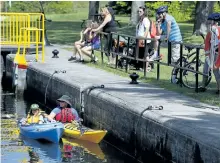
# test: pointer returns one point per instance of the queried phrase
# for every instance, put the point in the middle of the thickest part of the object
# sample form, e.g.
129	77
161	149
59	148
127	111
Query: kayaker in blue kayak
34	116
64	112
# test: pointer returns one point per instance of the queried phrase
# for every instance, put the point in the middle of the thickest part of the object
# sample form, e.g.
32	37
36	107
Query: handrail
158	62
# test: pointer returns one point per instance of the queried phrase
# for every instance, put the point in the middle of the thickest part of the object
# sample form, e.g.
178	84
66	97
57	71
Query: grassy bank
65	30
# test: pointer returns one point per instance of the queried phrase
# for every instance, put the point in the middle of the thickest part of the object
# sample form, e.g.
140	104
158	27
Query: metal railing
10	27
11	23
23	30
35	39
144	59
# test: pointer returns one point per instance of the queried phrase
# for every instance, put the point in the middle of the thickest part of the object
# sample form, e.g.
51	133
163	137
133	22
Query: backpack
152	30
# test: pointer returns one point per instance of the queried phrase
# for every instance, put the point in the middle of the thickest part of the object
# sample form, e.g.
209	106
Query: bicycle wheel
189	78
175	71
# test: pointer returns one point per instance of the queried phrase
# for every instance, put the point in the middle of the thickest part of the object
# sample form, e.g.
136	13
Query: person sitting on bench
84	40
94	44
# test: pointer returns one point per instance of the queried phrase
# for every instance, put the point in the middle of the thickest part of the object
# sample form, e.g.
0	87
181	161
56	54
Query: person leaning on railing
107	26
143	31
84	40
171	30
160	34
212	46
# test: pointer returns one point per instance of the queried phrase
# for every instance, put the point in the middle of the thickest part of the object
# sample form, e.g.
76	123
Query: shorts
95	46
175	51
88	44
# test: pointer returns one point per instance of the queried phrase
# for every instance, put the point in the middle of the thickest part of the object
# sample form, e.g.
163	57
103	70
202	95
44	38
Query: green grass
65	30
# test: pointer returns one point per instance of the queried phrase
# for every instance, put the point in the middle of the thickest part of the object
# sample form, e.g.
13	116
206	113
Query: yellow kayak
89	147
73	131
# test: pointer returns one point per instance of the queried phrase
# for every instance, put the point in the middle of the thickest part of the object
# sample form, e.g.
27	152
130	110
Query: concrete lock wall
120	120
124	122
38	81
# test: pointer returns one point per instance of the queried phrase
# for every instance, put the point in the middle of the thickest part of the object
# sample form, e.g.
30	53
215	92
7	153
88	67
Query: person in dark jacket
108	25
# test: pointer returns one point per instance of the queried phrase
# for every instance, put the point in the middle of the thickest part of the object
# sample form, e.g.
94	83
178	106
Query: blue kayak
48	131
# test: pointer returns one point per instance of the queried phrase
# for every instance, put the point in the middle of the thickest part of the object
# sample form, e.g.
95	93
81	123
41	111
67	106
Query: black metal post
126	69
197	69
137	49
117	51
158	62
102	48
109	43
169	53
181	65
145	57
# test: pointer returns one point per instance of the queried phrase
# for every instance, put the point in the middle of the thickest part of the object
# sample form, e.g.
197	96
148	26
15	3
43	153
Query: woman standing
142	31
107	26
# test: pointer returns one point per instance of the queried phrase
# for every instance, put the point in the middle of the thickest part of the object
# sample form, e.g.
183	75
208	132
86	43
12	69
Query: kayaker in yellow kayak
64	112
34	116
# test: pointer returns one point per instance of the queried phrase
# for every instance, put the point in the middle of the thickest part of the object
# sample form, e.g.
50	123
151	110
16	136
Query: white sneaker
96	59
153	57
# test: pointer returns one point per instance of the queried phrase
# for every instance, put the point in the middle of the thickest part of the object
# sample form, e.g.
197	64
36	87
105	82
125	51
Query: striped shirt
175	34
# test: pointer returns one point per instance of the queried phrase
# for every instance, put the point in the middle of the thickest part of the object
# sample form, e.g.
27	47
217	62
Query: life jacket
208	47
65	116
34	119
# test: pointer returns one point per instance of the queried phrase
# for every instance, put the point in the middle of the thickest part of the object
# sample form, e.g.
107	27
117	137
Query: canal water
17	148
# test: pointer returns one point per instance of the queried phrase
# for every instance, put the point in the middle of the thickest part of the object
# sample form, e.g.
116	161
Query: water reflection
90	148
37	150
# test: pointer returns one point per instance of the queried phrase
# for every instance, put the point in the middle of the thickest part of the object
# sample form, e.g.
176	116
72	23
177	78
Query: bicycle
129	50
188	77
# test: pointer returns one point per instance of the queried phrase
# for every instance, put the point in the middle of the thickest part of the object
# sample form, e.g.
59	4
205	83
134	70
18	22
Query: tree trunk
2	6
112	3
93	9
203	9
134	11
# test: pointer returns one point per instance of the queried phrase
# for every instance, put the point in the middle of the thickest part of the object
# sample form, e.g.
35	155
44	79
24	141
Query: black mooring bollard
134	78
55	53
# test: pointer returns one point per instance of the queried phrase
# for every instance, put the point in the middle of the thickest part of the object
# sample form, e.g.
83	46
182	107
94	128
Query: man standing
212	46
171	32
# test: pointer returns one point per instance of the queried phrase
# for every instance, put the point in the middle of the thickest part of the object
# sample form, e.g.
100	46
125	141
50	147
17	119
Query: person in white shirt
143	26
142	31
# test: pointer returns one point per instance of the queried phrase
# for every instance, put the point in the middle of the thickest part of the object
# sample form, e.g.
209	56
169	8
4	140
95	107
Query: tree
93	9
203	9
134	11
